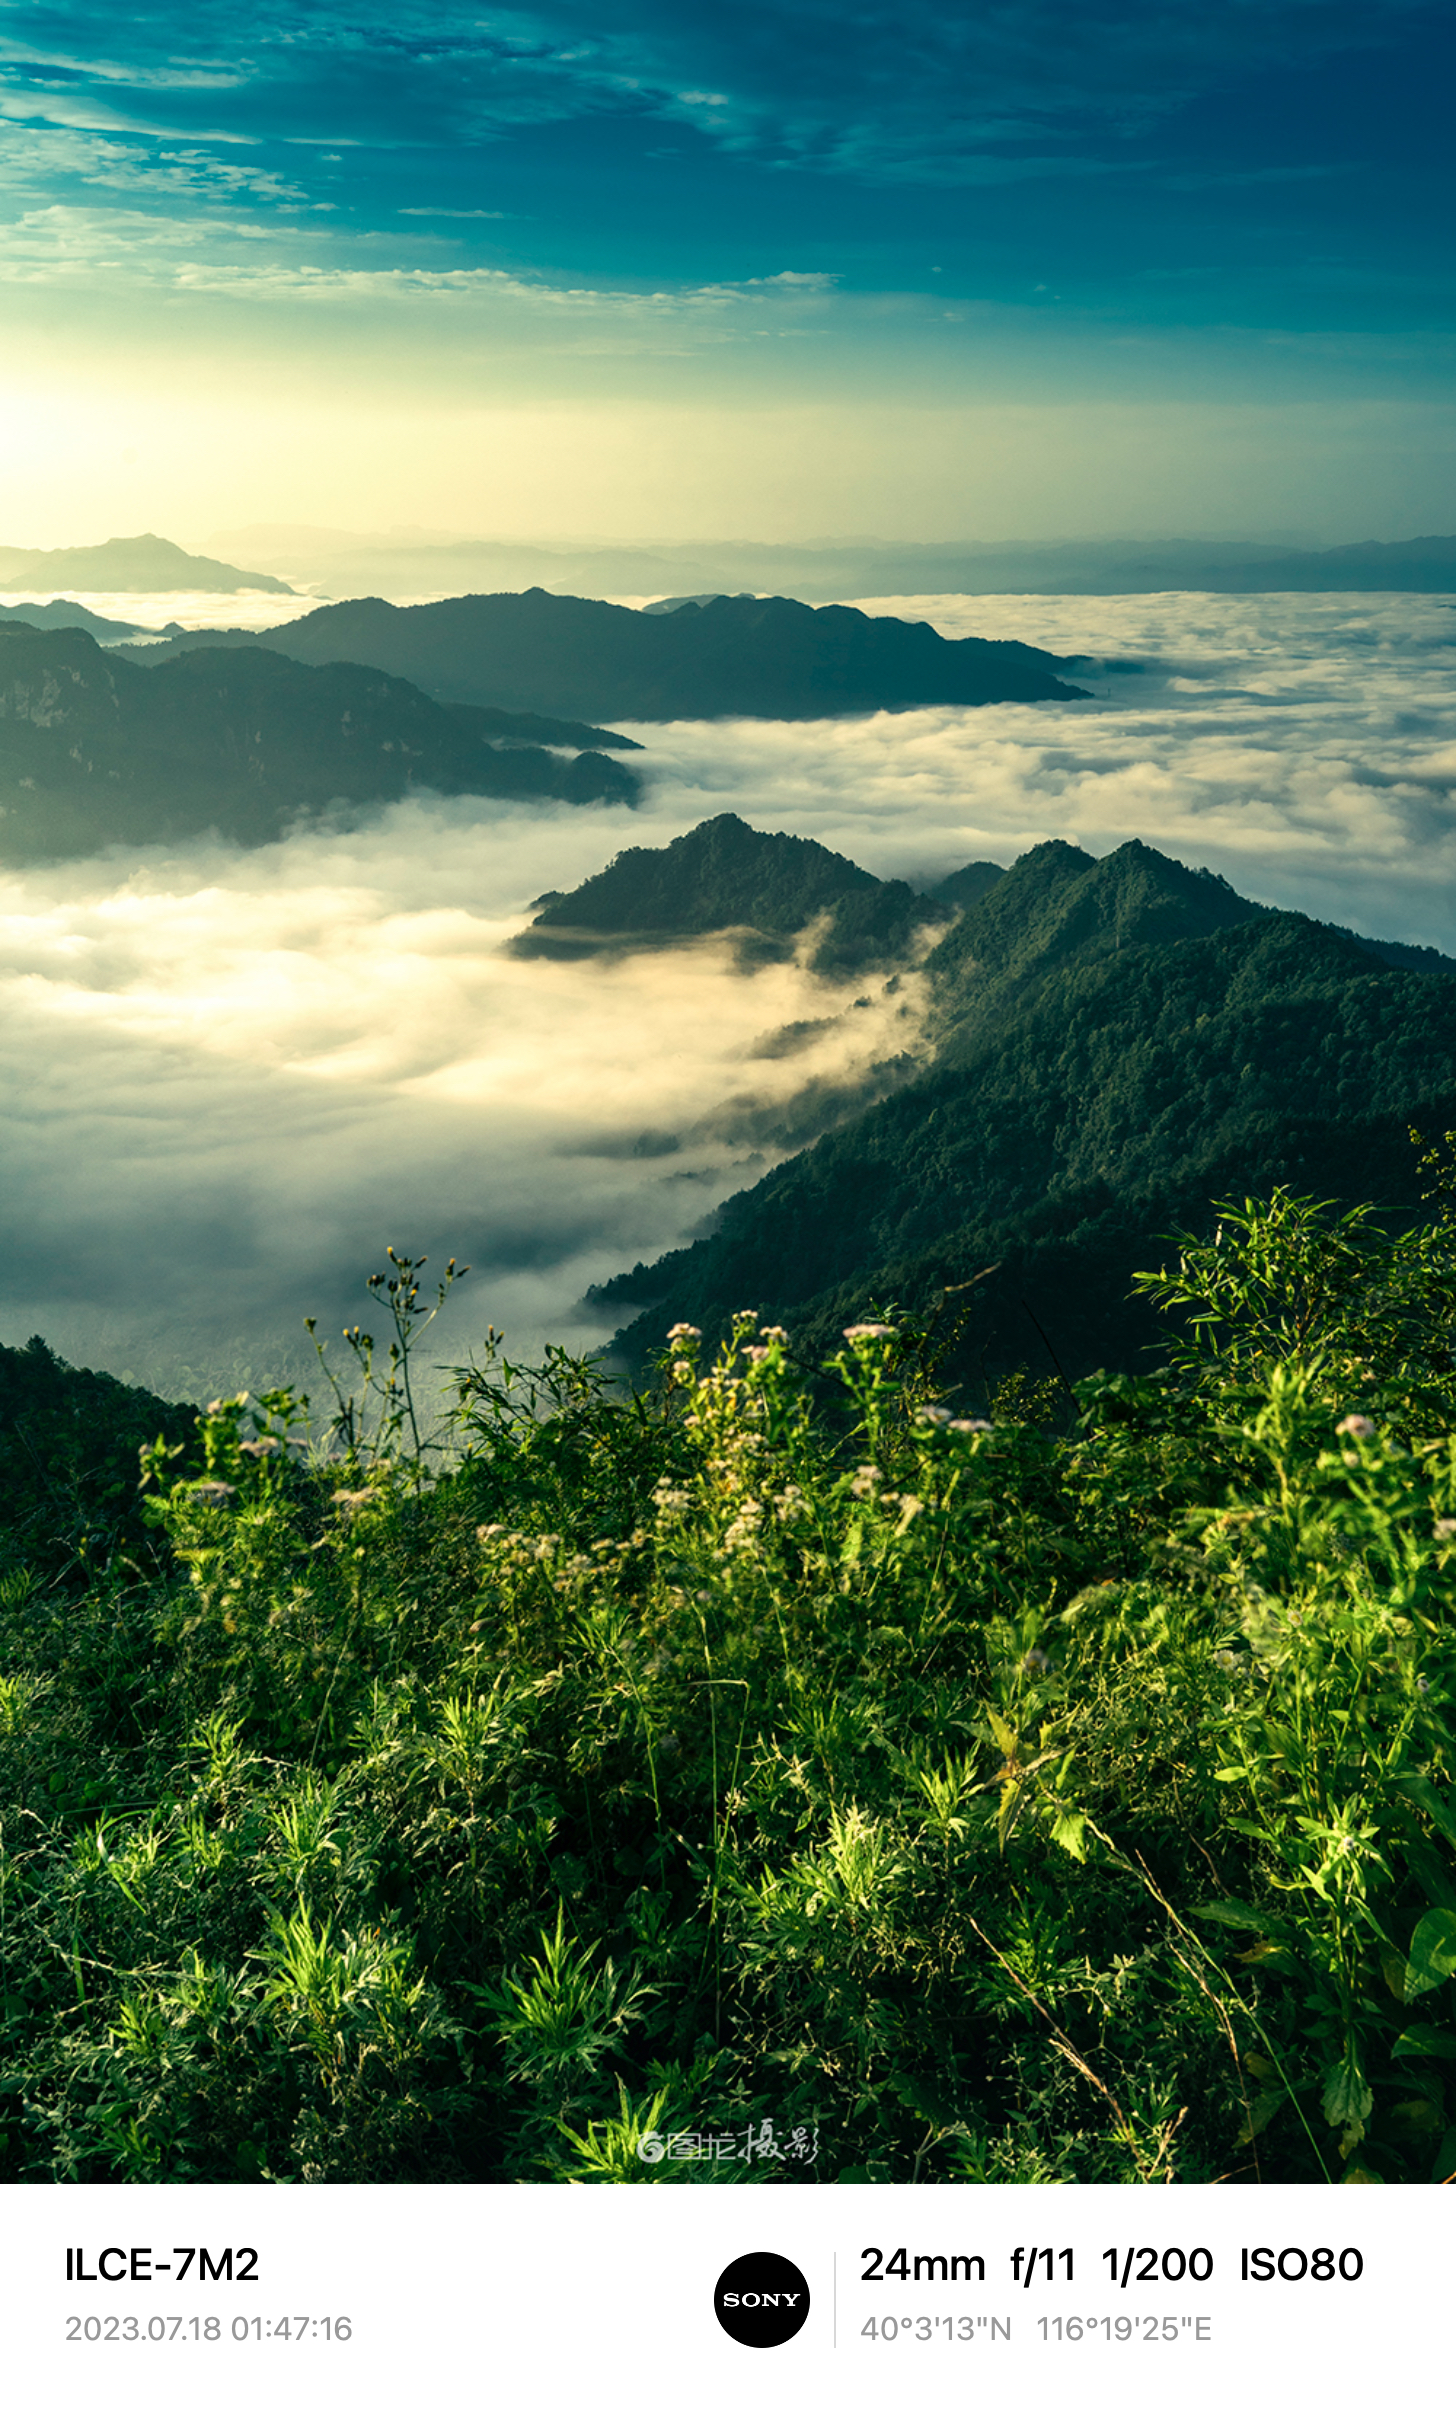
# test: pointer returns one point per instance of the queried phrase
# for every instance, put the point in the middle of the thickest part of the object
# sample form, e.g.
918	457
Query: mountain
503	729
69	1445
404	562
132	566
1116	1044
63	614
764	886
95	750
736	655
969	885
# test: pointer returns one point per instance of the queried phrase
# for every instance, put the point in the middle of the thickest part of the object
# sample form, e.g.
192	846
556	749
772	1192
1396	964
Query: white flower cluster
789	1505
669	1497
866	1478
743	1530
869	1333
935	1414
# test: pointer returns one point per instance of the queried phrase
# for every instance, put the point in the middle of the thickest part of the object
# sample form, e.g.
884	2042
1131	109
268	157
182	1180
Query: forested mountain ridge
764	656
1091	1089
764	886
96	751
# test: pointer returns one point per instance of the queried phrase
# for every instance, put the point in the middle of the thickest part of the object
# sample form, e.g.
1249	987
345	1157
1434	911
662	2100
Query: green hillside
1116	1043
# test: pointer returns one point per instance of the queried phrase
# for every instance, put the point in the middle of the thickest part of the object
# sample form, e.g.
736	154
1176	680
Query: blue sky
837	266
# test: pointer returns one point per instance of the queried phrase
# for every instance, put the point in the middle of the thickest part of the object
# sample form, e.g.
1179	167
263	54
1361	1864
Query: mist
231	1078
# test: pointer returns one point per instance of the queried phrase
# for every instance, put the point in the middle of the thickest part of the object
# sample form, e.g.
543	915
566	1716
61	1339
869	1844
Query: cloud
230	1079
1297	744
919	93
33	159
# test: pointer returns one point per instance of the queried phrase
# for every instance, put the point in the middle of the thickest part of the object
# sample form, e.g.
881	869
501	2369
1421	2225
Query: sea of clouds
231	1077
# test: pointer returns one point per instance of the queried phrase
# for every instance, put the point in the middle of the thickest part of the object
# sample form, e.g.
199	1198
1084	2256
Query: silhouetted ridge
735	655
145	565
96	750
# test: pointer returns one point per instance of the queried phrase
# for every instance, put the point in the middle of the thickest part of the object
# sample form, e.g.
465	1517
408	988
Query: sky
776	269
229	1078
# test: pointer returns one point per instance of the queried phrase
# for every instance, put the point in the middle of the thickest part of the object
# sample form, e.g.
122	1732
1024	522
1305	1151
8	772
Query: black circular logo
761	2300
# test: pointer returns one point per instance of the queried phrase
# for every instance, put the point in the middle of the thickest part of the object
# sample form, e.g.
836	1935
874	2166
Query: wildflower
756	1353
1226	1660
910	1507
214	1491
868	1333
1362	1429
682	1371
352	1501
775	1333
1035	1660
684	1333
931	1413
969	1426
1445	1529
1423	1686
485	1535
262	1447
865	1481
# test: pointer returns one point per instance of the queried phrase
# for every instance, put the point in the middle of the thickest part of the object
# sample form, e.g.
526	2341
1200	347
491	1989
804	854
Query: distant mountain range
1112	1045
130	566
736	655
97	751
403	563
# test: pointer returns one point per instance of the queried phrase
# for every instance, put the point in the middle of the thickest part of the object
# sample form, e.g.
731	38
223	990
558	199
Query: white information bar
787	2296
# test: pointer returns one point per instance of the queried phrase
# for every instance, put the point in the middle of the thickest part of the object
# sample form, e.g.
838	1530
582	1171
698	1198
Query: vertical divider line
834	2300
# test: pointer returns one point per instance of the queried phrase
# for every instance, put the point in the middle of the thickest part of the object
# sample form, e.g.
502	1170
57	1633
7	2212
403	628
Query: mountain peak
724	876
1056	903
131	566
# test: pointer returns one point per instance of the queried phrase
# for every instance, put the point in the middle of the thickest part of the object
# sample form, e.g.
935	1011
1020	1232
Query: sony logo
761	2298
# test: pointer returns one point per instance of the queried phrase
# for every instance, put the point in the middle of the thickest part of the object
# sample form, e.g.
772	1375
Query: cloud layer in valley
230	1079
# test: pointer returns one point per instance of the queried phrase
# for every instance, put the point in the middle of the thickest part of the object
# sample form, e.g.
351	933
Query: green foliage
778	1754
